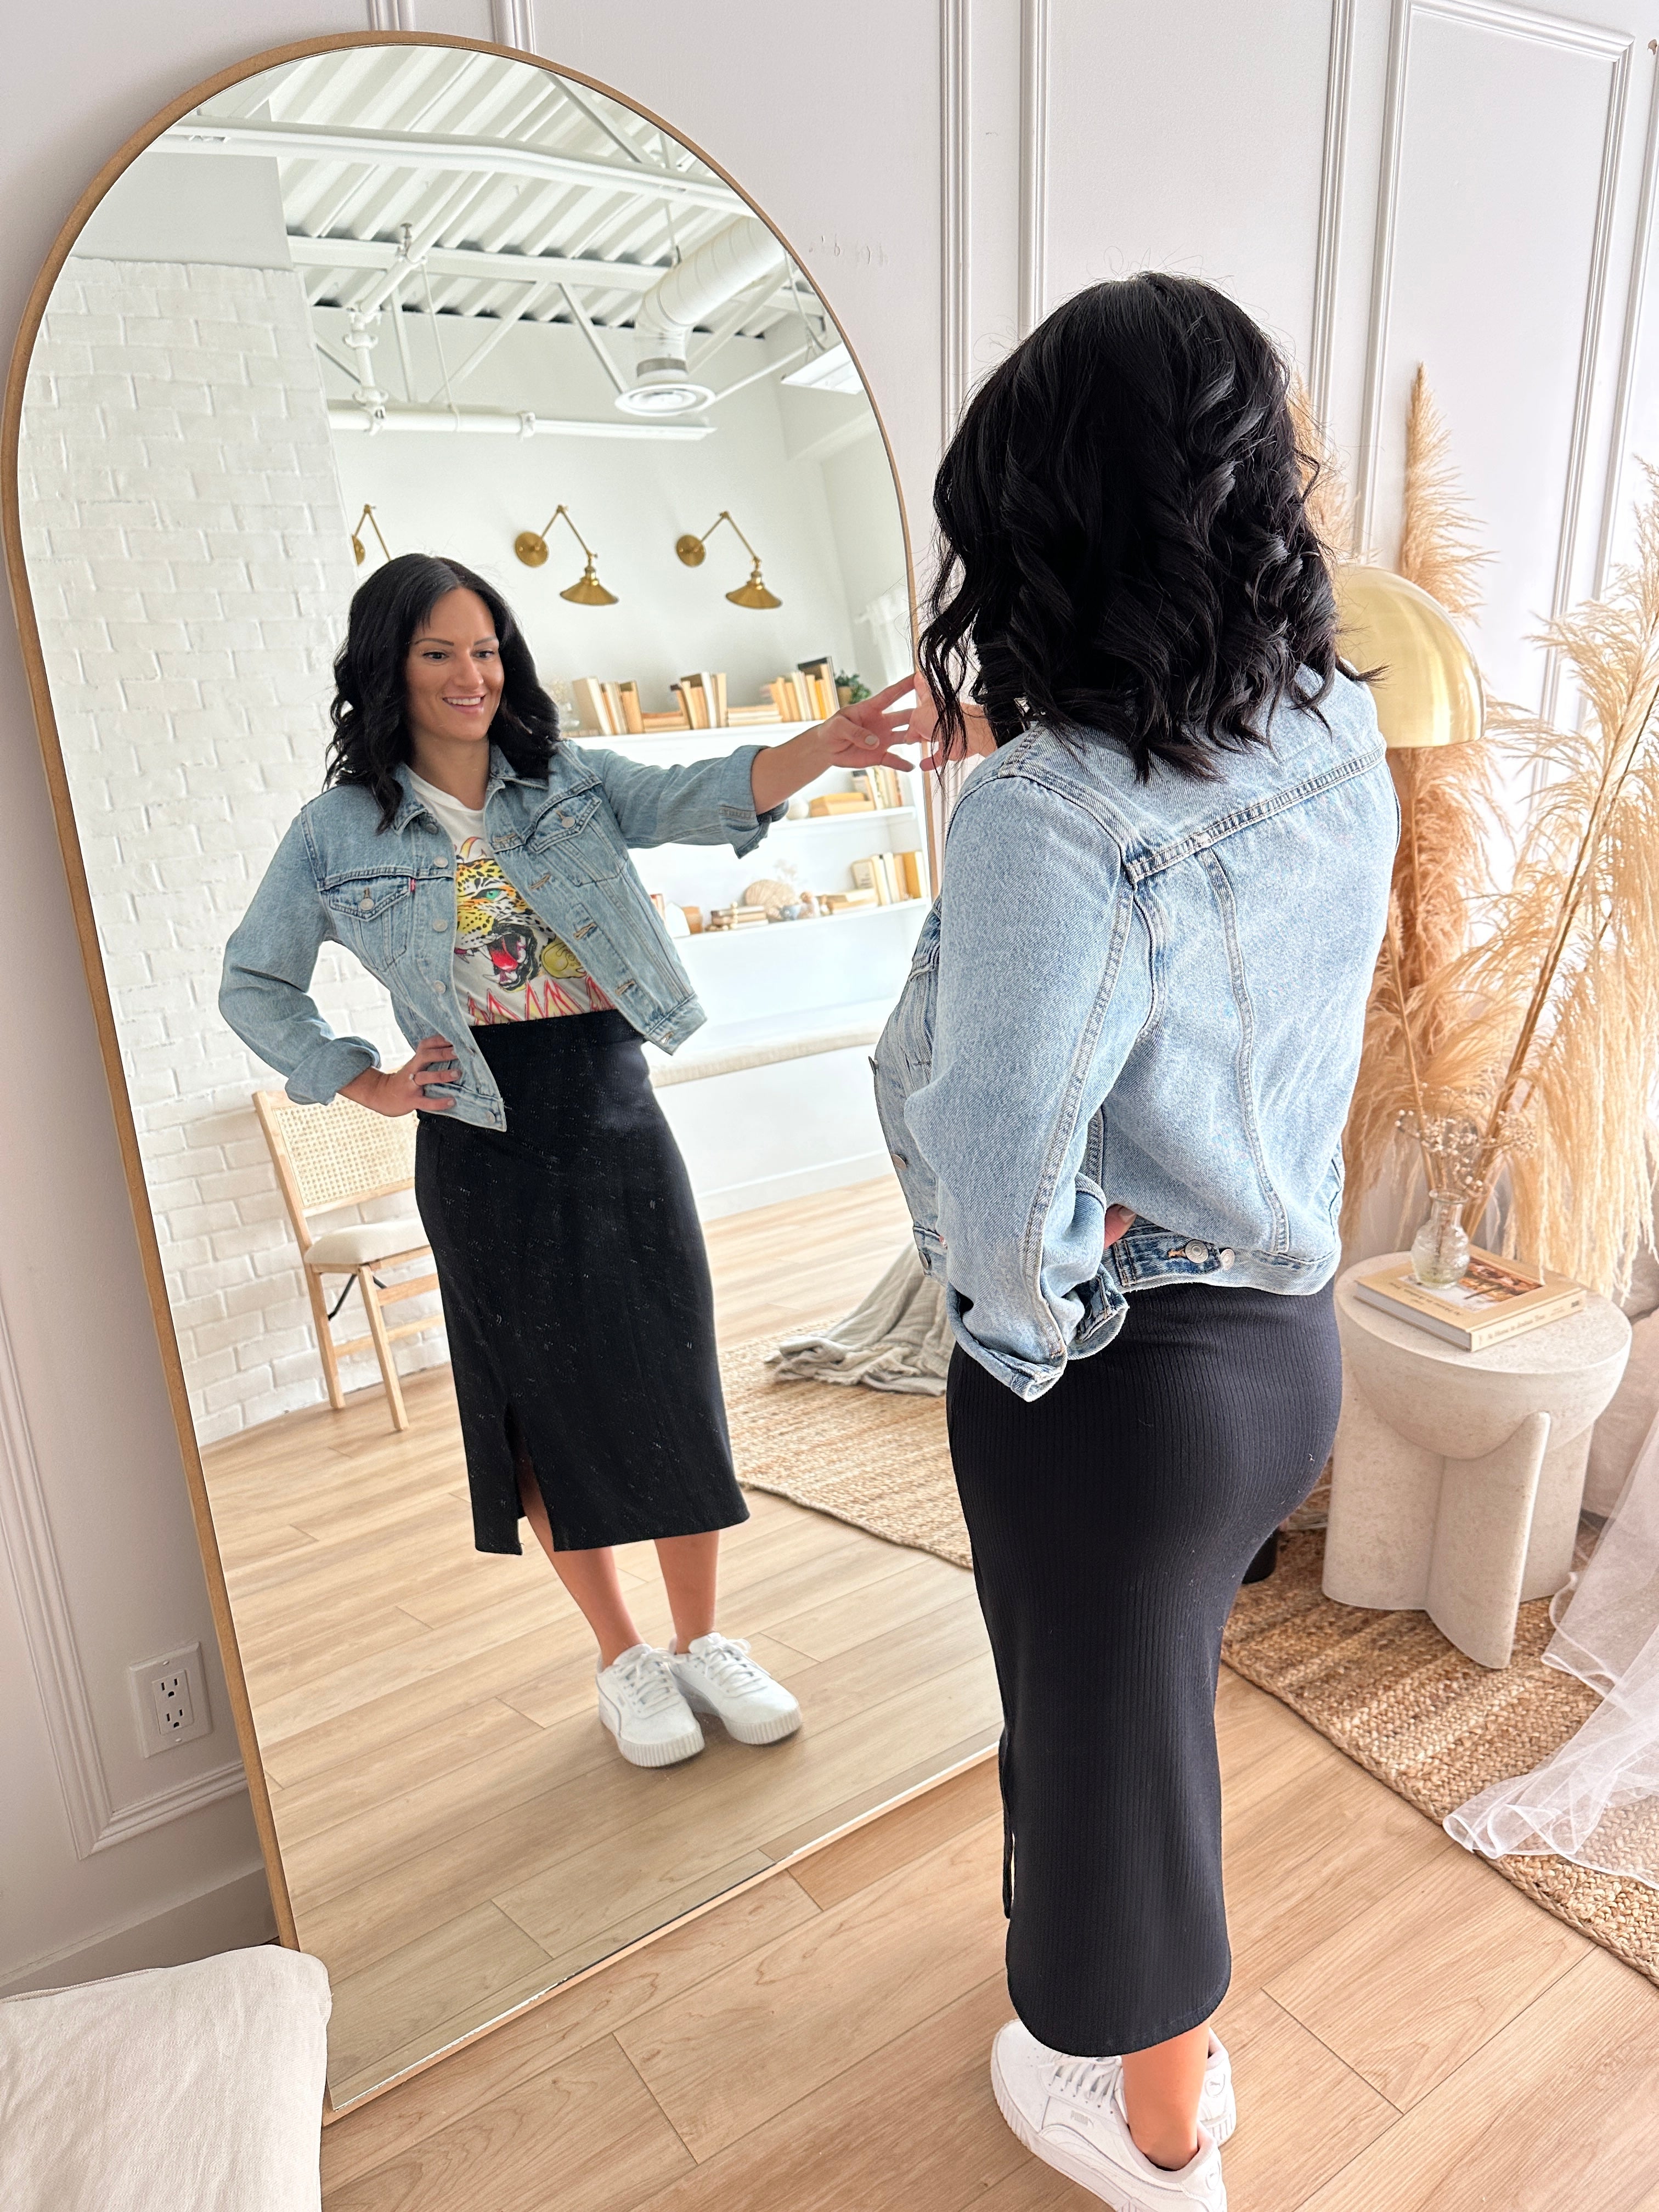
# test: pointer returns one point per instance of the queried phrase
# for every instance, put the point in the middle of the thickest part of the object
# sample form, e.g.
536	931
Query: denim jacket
389	896
1147	995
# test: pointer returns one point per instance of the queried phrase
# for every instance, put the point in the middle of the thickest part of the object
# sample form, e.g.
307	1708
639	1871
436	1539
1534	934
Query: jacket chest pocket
375	916
574	838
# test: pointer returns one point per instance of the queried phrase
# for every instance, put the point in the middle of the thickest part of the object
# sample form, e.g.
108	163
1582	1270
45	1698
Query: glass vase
1440	1249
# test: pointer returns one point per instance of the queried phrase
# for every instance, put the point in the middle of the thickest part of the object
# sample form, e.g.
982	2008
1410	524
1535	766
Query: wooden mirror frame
103	1013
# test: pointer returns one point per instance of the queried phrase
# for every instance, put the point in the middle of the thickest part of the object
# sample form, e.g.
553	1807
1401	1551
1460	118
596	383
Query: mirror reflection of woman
478	866
1115	1088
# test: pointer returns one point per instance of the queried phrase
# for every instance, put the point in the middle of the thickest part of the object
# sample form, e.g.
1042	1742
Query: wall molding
392	15
956	209
1503	19
512	23
1033	162
1625	390
1338	85
96	1822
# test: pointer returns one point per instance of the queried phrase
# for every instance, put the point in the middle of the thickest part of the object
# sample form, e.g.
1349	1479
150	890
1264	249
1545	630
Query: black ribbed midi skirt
576	1295
1112	1521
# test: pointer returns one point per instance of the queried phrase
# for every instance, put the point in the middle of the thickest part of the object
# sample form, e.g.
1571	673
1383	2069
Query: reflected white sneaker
1069	2112
716	1676
639	1703
1218	2111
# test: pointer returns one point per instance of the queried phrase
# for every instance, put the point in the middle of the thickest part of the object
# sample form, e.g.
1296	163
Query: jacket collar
501	771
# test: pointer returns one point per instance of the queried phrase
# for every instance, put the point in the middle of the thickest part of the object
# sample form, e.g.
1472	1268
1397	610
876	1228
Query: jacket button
898	1159
443	866
1196	1251
1225	1258
440	921
365	902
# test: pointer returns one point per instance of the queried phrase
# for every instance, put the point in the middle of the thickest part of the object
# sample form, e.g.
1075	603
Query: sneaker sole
767	1731
1086	2175
653	1754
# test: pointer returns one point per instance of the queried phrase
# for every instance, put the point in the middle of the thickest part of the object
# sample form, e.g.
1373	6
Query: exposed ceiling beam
312	142
468	261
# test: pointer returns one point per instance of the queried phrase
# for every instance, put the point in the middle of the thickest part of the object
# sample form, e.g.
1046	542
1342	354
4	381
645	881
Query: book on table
1494	1300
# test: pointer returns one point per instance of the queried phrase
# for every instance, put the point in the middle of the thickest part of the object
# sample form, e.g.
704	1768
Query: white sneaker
716	1676
1218	2111
1069	2112
639	1703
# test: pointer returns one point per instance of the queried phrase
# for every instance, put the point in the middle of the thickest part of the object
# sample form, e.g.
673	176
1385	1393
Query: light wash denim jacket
1147	995
389	896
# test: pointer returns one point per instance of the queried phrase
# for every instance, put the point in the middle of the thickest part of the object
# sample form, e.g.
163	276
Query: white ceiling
527	192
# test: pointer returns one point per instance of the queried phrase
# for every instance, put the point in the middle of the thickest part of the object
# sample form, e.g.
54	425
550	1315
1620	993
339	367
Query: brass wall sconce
531	546
359	550
693	551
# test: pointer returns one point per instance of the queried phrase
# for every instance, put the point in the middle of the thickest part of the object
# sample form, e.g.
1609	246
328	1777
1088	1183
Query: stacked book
702	699
738	917
806	693
846	902
1494	1300
612	709
749	717
829	804
893	877
882	785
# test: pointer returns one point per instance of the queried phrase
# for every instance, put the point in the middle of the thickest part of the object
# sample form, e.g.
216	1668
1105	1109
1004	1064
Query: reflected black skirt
1112	1520
576	1295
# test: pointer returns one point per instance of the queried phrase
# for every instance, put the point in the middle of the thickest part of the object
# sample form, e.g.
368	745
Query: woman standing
479	868
1133	1021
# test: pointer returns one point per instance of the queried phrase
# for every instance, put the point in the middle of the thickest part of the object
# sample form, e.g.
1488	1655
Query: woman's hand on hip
1118	1218
403	1090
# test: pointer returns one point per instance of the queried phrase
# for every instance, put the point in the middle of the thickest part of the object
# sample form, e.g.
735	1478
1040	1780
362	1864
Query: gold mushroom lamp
1428	692
694	551
531	546
359	550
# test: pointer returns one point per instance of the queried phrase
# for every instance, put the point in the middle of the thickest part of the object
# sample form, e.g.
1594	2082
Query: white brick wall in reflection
190	566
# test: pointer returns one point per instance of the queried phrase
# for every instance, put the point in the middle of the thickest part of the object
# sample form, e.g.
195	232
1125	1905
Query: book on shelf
738	917
870	875
846	902
748	718
627	696
820	675
591	709
829	804
1494	1300
658	725
881	785
910	864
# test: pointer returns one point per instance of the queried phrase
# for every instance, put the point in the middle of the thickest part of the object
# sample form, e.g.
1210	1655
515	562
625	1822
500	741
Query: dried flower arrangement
1513	1034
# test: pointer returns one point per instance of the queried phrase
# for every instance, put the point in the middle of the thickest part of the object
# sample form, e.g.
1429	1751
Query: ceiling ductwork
743	255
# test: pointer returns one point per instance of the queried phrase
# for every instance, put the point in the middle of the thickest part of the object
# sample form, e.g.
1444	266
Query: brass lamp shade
531	548
1429	691
587	590
693	551
754	593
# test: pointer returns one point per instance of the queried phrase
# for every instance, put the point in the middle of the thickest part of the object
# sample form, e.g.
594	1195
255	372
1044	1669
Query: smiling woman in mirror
479	868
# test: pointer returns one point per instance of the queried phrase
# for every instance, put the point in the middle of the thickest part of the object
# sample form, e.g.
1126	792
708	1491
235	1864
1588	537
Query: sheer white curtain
1597	1800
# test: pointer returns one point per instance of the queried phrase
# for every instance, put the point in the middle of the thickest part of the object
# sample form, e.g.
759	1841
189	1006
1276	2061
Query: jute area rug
1386	1688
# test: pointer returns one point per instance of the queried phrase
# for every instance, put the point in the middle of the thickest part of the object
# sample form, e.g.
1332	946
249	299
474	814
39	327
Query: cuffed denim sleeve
1044	985
264	986
703	803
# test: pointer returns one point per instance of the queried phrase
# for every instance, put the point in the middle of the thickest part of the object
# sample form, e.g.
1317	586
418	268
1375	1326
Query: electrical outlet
170	1700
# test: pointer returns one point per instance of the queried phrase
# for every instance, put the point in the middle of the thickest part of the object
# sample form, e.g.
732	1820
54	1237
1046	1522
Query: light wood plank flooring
458	1831
1409	2034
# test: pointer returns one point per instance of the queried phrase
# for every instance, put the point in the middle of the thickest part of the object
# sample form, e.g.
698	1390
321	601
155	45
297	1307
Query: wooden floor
458	1831
1409	2034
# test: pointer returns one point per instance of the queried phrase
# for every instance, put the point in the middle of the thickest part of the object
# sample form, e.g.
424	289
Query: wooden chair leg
324	1341
382	1347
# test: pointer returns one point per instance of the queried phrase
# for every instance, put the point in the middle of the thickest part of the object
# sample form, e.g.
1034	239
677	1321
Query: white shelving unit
771	1099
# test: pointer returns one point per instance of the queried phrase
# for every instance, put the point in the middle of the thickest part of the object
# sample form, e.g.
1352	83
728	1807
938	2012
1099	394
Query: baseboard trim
799	1182
231	1917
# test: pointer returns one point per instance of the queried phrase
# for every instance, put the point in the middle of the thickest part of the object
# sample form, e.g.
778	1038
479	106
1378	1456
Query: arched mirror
388	296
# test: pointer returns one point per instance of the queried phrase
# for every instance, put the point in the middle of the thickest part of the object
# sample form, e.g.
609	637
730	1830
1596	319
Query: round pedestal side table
1457	1475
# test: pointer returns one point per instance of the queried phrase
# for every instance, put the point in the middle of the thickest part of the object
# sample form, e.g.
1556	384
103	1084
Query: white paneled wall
182	517
1465	182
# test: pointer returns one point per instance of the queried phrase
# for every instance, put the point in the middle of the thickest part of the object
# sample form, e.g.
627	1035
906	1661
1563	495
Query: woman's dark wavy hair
1125	543
371	733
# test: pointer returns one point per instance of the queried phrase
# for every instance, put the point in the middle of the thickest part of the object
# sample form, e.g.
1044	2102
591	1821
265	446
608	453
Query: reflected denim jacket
389	896
1144	995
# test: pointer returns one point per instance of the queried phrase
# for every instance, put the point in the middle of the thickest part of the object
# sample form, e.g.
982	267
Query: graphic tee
509	965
